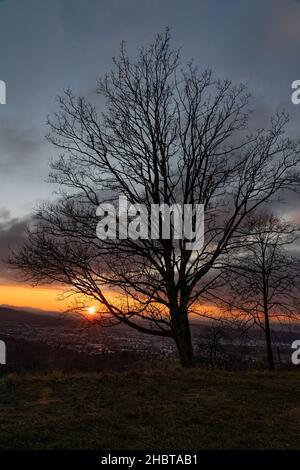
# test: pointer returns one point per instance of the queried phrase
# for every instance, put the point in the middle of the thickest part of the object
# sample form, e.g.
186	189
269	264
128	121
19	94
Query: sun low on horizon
91	310
47	298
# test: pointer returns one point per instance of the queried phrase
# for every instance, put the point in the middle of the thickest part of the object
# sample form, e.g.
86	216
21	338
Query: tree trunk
183	339
267	327
269	343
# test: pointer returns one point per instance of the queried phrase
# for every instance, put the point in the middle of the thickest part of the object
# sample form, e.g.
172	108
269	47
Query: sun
91	310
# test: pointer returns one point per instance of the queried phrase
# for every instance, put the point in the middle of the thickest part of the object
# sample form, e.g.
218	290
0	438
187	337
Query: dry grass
157	409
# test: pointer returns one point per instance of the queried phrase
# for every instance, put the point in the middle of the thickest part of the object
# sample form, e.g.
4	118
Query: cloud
12	235
19	148
4	213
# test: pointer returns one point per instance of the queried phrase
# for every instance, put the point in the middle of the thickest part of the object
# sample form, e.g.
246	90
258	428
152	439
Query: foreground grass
156	409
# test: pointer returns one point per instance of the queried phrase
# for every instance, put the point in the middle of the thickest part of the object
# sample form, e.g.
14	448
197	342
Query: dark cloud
19	149
12	235
69	43
4	214
50	46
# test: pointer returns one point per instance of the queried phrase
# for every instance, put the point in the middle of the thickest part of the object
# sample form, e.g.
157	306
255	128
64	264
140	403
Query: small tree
263	275
222	341
169	135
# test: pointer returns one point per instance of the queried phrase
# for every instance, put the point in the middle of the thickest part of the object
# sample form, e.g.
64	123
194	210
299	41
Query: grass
159	409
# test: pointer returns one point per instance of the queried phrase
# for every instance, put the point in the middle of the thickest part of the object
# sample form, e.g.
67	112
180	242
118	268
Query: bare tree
168	135
223	340
264	275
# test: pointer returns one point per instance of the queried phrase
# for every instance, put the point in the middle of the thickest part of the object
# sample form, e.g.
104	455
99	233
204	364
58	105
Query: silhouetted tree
222	340
168	135
264	275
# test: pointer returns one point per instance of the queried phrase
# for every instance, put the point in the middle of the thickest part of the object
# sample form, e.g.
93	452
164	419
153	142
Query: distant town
35	338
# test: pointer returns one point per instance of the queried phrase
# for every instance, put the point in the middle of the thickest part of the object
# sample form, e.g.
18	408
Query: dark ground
159	408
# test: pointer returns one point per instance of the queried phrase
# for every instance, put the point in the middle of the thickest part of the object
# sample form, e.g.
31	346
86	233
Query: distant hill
30	310
38	318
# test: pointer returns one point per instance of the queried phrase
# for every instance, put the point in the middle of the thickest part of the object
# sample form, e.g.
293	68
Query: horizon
149	231
265	63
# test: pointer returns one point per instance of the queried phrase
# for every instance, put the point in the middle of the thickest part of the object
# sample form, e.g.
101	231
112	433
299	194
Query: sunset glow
91	310
44	298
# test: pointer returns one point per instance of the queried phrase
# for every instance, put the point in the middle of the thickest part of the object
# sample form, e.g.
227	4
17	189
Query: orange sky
45	298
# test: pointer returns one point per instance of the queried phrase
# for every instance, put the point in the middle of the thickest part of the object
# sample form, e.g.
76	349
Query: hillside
27	317
155	409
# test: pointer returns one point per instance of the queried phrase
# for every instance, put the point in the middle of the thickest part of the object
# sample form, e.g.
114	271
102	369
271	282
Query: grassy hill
164	408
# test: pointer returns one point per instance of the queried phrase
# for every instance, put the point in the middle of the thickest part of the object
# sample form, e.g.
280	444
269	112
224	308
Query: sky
49	46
